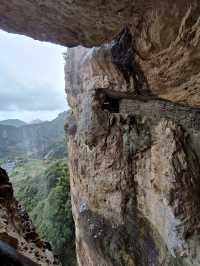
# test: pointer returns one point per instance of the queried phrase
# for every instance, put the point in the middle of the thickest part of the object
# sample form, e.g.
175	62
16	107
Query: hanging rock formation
68	22
134	149
134	153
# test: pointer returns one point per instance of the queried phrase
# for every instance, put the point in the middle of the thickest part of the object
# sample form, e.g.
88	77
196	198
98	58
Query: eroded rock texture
134	160
134	149
20	245
68	22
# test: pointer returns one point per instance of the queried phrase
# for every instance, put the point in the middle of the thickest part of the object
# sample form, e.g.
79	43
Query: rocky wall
20	244
134	149
134	162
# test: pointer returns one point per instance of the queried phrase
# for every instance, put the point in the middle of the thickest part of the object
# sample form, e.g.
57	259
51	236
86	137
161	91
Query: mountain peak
36	121
13	122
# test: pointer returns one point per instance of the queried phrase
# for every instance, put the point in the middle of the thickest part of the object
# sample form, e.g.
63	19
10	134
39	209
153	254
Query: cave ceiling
166	35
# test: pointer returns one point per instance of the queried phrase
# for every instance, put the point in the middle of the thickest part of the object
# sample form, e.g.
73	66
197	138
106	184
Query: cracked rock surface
134	162
134	148
19	241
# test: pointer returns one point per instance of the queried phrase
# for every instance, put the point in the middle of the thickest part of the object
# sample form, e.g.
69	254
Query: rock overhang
165	35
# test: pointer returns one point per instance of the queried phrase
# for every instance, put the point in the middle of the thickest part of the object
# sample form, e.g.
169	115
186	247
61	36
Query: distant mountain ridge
36	121
13	122
33	140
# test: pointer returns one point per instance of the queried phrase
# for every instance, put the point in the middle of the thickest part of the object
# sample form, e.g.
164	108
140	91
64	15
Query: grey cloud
32	97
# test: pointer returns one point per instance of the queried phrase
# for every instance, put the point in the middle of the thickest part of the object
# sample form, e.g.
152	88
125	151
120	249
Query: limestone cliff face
134	149
134	152
20	245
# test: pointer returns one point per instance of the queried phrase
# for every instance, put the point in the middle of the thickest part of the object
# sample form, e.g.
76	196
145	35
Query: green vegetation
56	209
35	157
26	169
46	196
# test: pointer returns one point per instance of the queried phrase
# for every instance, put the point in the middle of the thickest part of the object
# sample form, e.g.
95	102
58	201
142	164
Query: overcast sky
31	78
